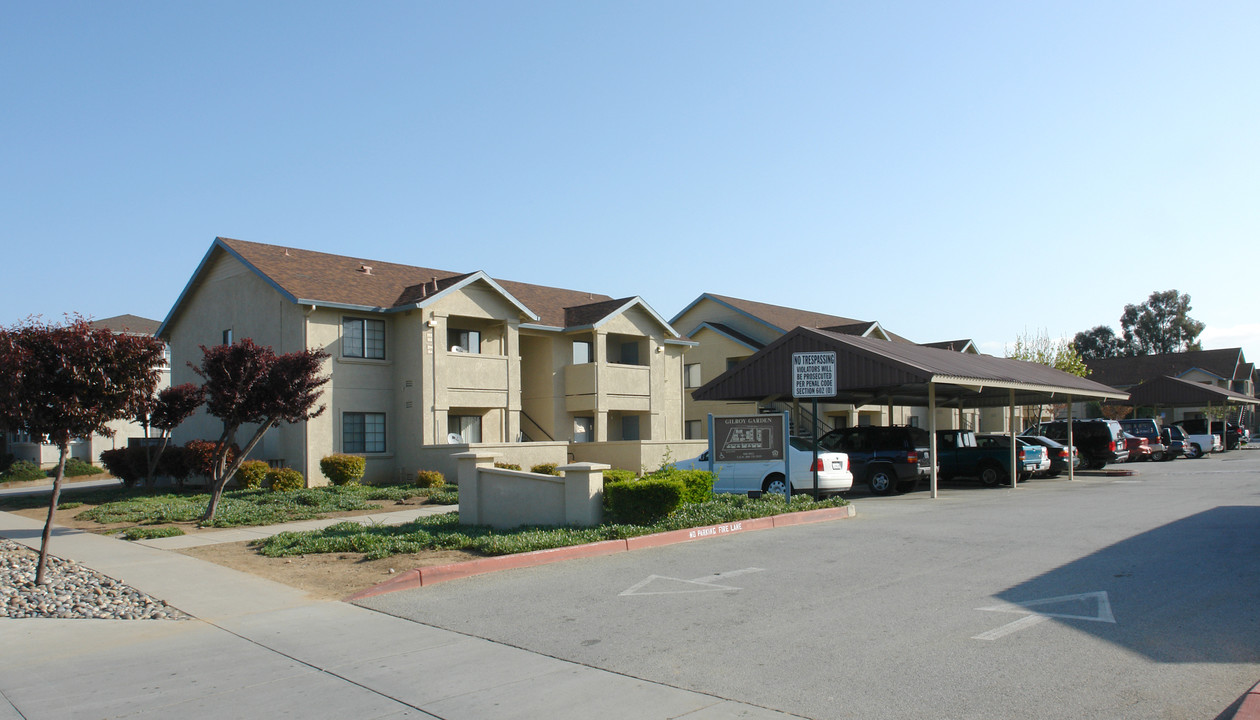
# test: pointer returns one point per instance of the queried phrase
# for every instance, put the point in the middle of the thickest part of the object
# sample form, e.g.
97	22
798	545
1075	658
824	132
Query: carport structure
1172	392
870	371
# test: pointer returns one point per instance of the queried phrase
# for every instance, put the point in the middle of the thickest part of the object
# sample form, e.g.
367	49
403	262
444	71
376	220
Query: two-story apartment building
728	330
423	357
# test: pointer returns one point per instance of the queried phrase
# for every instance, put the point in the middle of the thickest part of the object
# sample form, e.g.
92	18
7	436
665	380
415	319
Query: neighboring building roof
308	276
962	346
734	335
784	318
1124	372
132	324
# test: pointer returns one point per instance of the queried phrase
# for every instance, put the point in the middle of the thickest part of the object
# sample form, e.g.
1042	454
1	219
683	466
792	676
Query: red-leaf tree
247	383
164	412
60	382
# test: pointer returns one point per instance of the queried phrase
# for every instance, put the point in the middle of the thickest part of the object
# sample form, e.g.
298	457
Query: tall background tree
1160	325
164	412
1098	343
60	382
245	384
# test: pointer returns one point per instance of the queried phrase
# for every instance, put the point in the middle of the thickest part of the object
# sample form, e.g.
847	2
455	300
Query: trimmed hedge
545	469
507	466
341	469
252	474
619	475
430	479
697	484
23	470
642	502
285	480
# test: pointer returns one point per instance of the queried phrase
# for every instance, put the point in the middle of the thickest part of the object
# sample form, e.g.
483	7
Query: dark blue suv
889	459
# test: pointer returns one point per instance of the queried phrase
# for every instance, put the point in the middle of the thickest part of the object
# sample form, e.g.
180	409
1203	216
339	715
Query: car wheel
774	484
1157	457
992	476
882	481
1194	451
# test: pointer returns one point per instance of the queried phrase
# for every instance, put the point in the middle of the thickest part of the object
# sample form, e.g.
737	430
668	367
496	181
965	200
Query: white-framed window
464	341
363	338
467	427
733	361
363	432
691	376
581	352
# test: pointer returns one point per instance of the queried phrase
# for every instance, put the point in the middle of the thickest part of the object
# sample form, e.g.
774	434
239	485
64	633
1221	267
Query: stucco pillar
583	493
469	469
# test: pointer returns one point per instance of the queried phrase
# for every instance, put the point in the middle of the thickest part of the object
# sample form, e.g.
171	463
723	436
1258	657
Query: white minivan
741	477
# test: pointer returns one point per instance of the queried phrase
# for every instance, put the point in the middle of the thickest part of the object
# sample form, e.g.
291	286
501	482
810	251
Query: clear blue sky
965	169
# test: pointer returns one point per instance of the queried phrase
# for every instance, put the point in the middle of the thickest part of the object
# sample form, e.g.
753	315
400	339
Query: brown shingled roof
1130	371
786	318
343	280
133	324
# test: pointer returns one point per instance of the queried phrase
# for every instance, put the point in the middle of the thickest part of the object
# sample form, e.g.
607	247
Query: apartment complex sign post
814	376
750	438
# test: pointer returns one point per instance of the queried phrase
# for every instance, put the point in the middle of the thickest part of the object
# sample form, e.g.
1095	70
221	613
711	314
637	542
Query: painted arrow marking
677	586
1034	616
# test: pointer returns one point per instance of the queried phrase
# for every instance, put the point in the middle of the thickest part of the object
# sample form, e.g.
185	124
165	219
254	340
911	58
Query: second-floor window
692	375
464	341
581	352
363	338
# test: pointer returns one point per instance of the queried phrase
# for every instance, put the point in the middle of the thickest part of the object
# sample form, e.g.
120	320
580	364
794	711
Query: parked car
1138	447
1060	455
887	458
963	453
1231	433
1174	441
834	475
1149	429
1201	440
1099	441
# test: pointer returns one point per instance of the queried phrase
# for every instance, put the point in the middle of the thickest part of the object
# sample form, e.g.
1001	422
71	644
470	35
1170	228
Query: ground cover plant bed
445	533
123	509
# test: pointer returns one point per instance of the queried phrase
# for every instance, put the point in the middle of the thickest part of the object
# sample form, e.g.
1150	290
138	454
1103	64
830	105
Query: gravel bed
73	591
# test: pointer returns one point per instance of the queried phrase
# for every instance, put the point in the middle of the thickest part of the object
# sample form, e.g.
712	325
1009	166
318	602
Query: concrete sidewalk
259	649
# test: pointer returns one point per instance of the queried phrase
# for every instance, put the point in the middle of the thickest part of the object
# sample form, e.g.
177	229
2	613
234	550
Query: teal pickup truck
963	454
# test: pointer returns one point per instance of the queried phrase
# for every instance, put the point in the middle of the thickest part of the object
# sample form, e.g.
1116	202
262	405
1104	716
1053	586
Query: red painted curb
434	574
1250	708
812	516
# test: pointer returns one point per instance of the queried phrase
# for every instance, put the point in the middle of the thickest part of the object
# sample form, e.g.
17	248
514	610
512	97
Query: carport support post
932	433
1071	443
1010	427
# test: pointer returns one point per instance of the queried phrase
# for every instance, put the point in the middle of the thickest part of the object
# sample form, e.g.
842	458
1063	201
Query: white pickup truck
1199	441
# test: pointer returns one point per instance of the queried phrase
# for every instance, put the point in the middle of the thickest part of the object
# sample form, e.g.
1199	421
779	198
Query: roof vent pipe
365	269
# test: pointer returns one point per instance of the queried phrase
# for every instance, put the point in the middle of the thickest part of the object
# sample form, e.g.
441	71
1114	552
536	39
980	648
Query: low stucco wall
511	498
527	455
637	455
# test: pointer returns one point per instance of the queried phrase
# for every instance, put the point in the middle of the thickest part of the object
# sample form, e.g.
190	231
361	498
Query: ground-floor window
694	430
583	429
467	427
362	432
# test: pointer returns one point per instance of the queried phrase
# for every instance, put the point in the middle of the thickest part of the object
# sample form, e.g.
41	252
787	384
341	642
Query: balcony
622	387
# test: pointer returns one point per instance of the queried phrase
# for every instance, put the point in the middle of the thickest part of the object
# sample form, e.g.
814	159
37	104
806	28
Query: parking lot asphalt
258	649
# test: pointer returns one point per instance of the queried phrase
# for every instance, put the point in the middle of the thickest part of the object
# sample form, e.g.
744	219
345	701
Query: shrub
23	470
148	533
285	479
343	469
175	463
252	474
619	475
77	468
121	463
545	469
507	466
430	479
697	484
642	502
201	456
5	461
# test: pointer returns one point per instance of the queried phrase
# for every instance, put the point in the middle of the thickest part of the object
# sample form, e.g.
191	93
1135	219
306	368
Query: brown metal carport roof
872	371
1169	391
